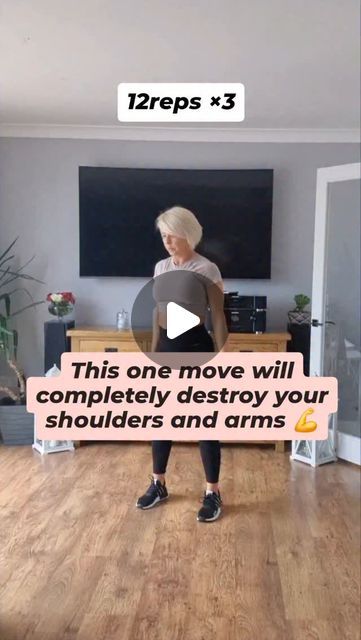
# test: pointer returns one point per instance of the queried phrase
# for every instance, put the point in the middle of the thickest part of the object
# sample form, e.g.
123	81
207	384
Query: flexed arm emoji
303	426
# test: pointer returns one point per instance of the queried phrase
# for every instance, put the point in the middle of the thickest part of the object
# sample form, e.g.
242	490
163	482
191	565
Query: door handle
316	323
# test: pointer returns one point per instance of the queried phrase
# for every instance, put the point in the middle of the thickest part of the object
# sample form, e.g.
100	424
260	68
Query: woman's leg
211	459
160	453
210	449
212	501
161	448
157	491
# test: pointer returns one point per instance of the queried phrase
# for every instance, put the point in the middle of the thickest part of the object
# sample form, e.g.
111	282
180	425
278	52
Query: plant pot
299	317
16	425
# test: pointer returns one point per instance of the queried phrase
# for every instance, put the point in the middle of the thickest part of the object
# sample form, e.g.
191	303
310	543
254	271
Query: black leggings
196	339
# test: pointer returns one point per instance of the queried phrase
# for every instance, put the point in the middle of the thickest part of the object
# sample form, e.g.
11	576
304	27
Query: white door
336	322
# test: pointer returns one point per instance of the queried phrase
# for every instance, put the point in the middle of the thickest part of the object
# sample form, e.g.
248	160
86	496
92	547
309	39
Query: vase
60	309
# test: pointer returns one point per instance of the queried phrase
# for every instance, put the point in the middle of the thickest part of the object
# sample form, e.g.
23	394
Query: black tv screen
118	208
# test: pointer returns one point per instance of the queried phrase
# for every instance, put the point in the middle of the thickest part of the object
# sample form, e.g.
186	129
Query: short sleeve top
188	291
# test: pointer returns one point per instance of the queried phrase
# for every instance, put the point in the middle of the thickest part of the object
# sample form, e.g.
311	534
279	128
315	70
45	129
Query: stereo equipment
55	341
245	314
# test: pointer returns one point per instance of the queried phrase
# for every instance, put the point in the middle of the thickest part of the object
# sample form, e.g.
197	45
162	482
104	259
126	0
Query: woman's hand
155	334
225	349
216	303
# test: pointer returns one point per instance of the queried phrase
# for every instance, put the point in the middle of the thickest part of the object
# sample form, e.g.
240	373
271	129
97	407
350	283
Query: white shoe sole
150	506
215	517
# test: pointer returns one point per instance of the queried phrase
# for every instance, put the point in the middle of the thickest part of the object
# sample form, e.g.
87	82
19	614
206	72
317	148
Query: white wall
39	202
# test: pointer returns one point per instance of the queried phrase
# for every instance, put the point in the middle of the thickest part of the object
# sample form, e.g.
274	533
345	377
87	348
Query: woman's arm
216	303
155	334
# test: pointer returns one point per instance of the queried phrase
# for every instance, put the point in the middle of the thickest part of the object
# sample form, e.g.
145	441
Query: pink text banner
234	396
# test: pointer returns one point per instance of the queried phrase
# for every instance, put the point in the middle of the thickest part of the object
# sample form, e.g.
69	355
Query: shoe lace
153	485
210	498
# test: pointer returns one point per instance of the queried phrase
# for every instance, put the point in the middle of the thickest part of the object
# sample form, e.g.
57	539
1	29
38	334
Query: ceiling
61	61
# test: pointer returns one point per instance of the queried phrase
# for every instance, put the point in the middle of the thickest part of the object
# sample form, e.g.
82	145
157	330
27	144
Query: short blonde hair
182	223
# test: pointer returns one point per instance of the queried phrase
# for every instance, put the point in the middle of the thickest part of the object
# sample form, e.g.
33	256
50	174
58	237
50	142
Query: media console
104	338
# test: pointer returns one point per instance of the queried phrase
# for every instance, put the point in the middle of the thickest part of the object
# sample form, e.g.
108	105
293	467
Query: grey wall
39	202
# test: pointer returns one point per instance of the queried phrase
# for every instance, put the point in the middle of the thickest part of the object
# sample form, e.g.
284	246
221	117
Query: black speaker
55	341
300	343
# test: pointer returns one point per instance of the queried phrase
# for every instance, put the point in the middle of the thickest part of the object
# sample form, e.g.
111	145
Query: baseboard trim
348	448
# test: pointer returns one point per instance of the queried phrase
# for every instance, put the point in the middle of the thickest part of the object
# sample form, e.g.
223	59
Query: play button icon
171	317
179	320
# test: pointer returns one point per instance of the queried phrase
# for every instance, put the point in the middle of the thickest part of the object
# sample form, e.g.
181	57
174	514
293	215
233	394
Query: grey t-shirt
186	284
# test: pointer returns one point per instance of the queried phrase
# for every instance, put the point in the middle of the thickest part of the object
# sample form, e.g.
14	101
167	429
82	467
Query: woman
181	232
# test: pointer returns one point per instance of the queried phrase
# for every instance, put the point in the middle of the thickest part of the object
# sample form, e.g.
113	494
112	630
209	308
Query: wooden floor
79	562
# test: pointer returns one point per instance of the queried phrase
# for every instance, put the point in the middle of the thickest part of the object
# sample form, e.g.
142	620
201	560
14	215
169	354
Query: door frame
325	176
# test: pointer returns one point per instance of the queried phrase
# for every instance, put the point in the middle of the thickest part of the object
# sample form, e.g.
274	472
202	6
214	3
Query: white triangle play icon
179	320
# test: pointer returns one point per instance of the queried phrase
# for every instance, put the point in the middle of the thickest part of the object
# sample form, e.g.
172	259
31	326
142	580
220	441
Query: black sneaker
156	492
211	509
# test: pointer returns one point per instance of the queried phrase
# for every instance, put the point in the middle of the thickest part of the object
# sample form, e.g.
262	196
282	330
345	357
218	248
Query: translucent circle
192	295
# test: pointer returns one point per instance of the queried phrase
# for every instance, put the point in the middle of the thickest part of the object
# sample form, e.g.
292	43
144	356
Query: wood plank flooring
78	561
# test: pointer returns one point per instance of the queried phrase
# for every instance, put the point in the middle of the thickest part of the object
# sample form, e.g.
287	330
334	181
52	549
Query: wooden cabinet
258	342
109	339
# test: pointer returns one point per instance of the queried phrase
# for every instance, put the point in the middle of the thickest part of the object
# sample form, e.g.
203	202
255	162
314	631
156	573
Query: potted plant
16	424
299	326
298	315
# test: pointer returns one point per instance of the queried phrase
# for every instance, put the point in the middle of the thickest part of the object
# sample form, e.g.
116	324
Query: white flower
56	297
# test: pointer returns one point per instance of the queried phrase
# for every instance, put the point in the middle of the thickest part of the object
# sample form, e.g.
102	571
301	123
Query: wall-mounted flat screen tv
118	208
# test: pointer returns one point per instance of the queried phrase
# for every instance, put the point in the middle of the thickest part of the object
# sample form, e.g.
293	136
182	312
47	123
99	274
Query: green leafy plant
301	302
9	336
